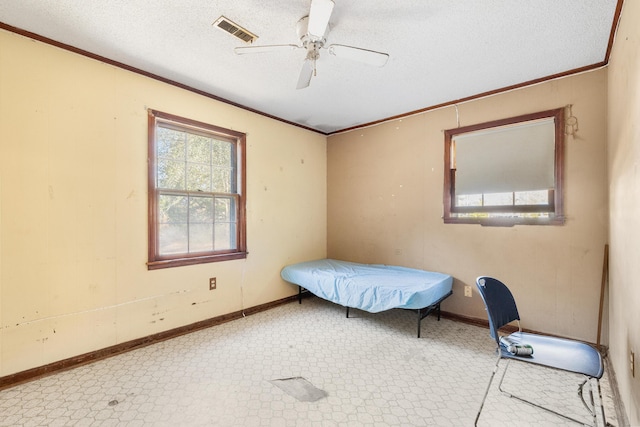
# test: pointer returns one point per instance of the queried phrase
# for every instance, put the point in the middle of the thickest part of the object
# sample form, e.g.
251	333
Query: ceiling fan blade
305	74
319	16
241	50
366	56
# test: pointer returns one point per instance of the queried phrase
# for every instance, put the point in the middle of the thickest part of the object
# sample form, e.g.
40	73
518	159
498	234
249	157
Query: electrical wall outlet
467	291
632	363
212	283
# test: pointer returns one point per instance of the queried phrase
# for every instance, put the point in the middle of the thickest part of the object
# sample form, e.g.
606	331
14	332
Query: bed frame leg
299	294
347	312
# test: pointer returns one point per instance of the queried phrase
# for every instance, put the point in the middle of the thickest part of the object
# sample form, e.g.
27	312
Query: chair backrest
501	307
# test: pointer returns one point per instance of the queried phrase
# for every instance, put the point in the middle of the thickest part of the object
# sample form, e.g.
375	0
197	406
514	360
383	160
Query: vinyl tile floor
366	370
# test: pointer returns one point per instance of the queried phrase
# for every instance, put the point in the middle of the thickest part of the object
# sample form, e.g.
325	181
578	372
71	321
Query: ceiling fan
312	31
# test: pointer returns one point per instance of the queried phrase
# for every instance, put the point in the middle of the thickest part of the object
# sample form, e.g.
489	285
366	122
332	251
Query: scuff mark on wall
99	309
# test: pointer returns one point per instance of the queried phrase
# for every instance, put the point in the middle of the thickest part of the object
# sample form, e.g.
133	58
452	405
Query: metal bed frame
421	312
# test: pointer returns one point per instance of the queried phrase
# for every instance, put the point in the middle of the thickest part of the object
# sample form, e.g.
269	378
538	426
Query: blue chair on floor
551	352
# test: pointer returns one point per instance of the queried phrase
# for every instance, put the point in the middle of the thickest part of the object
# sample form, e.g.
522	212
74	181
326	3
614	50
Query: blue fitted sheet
370	287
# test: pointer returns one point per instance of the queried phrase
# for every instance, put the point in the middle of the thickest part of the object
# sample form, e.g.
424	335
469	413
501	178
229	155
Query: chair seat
567	355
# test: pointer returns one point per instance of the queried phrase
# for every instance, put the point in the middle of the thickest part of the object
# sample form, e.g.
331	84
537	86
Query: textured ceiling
440	50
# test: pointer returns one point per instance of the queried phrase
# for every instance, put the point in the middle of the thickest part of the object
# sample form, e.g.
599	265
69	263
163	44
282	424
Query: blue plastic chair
552	352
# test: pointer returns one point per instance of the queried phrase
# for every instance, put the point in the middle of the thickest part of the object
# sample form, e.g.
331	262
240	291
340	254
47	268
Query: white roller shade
511	158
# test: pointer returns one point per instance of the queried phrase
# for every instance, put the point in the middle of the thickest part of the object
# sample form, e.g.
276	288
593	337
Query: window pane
200	224
199	149
201	237
171	143
224	208
171	174
225	231
198	177
498	199
172	224
223	153
172	209
469	200
201	210
225	236
173	238
222	181
532	197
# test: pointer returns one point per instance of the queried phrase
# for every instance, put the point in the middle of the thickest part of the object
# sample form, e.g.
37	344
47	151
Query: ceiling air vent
234	29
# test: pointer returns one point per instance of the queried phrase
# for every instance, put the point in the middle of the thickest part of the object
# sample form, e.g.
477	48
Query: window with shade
506	172
196	192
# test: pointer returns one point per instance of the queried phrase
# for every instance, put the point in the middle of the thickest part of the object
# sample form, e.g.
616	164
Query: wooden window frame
157	261
555	207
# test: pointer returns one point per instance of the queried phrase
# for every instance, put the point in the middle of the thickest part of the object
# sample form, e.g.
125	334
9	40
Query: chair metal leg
486	392
504	373
580	394
594	411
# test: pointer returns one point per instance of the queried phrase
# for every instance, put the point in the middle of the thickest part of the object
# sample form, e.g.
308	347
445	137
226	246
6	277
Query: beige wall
624	202
73	229
73	208
385	187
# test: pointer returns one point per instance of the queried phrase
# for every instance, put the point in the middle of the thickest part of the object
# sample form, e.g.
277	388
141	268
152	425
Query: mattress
370	287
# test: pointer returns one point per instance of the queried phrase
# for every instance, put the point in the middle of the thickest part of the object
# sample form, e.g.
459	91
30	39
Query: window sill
179	262
506	222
